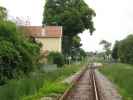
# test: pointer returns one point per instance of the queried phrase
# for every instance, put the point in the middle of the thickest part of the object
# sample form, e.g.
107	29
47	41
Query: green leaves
123	50
10	60
126	50
7	52
3	13
115	51
74	15
56	58
18	55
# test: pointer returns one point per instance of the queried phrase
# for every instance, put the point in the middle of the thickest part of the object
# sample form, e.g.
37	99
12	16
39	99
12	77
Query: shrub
10	60
18	54
56	58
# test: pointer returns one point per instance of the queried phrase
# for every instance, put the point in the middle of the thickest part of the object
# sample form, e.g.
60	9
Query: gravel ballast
108	89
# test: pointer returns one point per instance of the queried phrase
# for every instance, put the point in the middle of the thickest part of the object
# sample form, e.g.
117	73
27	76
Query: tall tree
106	47
106	44
115	54
74	15
3	13
125	50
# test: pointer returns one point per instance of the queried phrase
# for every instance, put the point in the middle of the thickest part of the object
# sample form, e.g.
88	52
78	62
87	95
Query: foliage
115	51
76	42
121	75
53	82
123	50
126	50
3	13
82	53
75	16
56	58
107	48
78	54
106	45
18	55
48	89
10	61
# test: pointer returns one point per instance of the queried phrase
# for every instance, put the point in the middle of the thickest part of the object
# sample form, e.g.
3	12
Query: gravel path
71	78
108	89
82	90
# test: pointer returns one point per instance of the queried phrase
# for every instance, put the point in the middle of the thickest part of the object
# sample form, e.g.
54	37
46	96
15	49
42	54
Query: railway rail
85	87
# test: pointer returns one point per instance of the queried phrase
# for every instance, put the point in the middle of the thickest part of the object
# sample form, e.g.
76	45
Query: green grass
16	89
37	85
48	89
53	83
122	76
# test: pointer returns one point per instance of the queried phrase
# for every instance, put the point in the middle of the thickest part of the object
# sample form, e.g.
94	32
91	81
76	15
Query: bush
10	60
56	58
18	54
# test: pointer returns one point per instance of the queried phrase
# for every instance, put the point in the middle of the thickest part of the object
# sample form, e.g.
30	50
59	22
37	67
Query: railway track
85	87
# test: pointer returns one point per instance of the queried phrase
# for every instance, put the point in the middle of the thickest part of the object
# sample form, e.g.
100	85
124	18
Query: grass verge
122	76
37	85
55	86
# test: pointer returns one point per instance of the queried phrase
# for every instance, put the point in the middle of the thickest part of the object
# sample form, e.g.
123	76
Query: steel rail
65	94
95	87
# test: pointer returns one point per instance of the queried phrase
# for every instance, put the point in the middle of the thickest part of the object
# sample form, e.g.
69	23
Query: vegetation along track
84	88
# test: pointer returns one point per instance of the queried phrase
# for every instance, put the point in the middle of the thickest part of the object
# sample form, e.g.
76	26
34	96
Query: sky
113	21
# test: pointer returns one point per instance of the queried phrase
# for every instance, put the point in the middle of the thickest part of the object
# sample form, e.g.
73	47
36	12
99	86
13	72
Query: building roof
39	31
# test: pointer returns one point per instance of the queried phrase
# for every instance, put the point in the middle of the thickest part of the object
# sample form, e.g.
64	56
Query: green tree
106	44
83	54
125	51
115	51
3	13
106	47
74	15
76	42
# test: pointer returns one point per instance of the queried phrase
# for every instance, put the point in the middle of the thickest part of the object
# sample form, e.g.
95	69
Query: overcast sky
113	21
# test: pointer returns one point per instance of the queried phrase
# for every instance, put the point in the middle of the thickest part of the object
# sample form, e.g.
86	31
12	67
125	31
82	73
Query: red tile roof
38	31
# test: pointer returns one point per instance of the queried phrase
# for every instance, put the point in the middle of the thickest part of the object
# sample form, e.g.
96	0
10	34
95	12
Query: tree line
123	50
